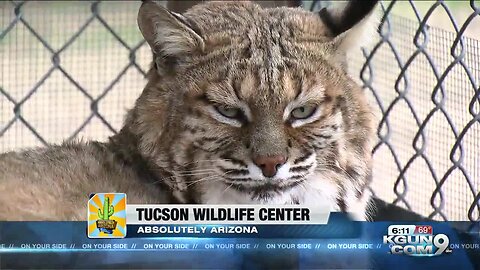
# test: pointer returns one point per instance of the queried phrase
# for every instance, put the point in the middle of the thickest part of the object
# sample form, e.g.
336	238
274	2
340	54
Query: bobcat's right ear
351	23
169	34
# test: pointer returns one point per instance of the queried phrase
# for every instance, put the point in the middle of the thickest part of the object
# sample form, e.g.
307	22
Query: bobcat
242	105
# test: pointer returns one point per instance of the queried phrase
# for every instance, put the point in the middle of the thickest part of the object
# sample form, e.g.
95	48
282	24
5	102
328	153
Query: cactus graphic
107	210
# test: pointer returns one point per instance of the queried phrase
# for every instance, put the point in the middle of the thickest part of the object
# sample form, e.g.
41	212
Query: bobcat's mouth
265	186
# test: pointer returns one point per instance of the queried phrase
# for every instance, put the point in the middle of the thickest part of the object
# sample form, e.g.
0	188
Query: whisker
194	181
202	160
196	170
194	173
223	192
337	167
209	178
303	185
179	175
219	177
186	174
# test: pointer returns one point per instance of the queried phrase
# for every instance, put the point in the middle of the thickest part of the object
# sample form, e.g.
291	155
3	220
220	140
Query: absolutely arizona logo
107	215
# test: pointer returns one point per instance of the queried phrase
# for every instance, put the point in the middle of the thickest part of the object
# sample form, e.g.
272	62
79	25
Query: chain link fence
70	70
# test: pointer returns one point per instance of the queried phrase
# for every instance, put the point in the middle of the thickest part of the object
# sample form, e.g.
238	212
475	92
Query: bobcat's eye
303	112
229	112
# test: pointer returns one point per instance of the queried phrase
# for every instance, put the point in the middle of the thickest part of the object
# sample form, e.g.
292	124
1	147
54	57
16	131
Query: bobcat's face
258	129
253	101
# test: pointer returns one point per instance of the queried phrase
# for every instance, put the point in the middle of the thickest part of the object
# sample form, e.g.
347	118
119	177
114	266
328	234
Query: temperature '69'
414	240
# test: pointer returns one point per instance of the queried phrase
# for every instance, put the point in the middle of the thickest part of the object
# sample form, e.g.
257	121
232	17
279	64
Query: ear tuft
352	24
168	34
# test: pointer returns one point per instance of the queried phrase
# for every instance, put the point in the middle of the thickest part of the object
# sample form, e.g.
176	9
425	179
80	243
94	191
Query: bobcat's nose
269	165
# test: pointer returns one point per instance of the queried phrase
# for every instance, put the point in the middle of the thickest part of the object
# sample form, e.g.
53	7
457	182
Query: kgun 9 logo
416	241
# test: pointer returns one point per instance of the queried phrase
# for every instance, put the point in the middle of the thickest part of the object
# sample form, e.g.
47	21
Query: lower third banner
340	244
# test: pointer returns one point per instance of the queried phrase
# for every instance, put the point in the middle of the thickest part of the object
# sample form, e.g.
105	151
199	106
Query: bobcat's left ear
169	34
350	25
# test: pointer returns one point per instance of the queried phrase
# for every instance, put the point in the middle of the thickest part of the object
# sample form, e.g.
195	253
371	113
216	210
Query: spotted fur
262	63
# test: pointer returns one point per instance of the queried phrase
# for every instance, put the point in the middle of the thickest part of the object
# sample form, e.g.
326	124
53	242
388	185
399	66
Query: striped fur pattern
231	84
260	65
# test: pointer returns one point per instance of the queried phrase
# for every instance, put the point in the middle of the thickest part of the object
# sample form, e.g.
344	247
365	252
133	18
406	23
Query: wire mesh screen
427	138
424	86
71	70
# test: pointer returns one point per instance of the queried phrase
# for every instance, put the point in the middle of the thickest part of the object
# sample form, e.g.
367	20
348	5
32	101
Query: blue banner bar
340	244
